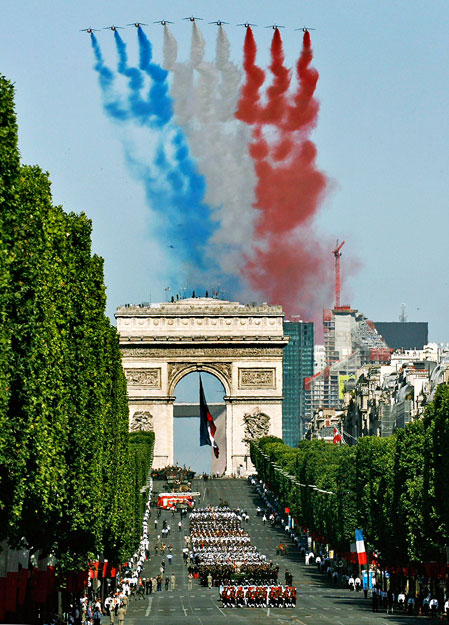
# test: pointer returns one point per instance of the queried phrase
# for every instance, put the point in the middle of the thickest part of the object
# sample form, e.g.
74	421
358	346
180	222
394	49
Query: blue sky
382	137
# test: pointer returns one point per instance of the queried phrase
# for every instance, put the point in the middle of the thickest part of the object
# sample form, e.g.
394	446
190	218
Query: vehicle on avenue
168	501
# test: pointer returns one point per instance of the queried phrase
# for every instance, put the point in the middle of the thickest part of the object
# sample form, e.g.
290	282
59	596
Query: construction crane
337	253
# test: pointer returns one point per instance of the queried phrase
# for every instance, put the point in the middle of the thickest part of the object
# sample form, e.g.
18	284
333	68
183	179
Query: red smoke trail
287	263
276	93
304	111
249	108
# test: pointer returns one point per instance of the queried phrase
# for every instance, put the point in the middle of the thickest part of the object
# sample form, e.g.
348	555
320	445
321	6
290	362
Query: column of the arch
229	436
163	431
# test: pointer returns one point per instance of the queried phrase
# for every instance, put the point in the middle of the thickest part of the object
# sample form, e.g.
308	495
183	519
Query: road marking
148	610
219	609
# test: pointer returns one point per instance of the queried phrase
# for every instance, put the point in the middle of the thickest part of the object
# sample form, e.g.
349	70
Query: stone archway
241	345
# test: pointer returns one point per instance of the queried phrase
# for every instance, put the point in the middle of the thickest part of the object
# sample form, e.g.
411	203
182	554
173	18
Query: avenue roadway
318	601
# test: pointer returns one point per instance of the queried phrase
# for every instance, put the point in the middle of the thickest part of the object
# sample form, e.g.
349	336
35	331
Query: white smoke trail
197	46
170	49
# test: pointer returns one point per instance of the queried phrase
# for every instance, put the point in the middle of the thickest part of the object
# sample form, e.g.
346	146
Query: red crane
337	253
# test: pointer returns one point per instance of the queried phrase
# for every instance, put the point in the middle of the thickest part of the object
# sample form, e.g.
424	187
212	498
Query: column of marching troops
222	555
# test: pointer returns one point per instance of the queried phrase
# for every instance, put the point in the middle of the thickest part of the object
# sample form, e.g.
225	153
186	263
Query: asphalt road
317	600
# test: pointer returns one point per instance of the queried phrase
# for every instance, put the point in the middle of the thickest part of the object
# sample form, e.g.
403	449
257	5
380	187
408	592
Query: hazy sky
382	136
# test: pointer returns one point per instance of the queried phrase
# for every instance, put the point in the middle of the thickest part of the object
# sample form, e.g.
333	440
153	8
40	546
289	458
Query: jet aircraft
137	24
246	24
219	22
274	26
305	29
113	28
192	19
89	30
163	22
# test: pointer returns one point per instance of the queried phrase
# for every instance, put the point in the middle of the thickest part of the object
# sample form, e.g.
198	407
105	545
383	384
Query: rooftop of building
201	305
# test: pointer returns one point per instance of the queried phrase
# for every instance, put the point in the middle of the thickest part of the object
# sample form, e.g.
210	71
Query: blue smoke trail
158	95
158	107
183	216
111	102
176	192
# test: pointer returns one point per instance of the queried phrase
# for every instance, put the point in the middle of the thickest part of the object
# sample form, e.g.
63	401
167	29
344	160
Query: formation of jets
192	18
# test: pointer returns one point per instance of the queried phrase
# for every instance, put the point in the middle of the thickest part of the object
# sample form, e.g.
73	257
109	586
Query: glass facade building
297	365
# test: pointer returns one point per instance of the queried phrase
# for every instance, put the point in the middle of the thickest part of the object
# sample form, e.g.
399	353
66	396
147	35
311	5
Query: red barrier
11	592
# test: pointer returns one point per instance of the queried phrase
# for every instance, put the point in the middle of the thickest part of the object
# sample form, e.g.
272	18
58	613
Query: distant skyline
382	135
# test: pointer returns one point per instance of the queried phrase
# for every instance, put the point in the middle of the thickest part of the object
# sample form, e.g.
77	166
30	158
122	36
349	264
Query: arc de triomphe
241	345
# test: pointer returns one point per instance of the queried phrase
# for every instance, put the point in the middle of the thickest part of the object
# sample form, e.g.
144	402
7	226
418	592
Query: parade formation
258	596
222	555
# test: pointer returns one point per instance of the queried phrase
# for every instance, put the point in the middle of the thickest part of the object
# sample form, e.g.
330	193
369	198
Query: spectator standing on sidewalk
446	609
390	602
121	615
433	607
375	601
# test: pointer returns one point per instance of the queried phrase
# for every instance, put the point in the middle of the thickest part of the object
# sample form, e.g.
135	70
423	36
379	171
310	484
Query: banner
360	543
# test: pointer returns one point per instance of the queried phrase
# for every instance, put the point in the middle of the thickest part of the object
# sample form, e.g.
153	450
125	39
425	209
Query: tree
64	443
436	470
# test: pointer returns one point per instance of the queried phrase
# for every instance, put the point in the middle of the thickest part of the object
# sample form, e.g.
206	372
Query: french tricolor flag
207	425
360	544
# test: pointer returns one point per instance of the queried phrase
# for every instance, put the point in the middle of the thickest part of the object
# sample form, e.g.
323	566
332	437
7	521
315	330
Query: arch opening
186	412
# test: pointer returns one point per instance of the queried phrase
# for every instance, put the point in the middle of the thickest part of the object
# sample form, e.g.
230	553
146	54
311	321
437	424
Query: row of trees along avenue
69	481
396	489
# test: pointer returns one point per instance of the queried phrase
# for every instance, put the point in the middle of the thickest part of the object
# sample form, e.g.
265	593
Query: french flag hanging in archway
207	425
